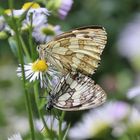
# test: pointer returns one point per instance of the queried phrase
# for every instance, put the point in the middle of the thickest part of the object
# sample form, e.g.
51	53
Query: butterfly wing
79	49
77	92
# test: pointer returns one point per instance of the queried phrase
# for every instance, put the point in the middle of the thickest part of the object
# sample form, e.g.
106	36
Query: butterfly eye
38	48
78	78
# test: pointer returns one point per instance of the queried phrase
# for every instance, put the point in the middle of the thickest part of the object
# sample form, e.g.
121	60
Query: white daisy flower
36	15
15	137
99	120
51	122
40	70
46	32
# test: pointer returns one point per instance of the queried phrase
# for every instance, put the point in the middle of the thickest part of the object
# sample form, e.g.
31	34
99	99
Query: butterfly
76	50
76	92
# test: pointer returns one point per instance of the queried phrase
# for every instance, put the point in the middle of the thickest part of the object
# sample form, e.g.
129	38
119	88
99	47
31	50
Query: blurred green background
116	74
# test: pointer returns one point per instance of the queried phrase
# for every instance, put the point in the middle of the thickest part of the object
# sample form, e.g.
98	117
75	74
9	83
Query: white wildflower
45	33
99	120
15	137
40	70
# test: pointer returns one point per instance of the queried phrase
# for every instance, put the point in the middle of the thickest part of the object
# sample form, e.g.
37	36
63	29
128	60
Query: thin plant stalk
27	97
60	125
40	113
25	49
31	39
28	100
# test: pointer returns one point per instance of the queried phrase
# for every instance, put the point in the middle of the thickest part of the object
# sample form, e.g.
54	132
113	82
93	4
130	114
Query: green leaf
13	45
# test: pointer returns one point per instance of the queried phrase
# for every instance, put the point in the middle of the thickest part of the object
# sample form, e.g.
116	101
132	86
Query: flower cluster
129	42
114	118
34	16
36	19
32	19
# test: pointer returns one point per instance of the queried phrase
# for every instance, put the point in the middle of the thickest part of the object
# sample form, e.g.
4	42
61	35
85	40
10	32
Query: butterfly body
76	50
49	105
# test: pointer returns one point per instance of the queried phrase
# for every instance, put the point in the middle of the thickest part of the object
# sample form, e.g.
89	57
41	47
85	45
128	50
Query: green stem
20	55
28	100
60	125
36	96
40	113
25	49
49	133
31	40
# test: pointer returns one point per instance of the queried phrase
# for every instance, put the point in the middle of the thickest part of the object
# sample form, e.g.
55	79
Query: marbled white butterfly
79	49
76	92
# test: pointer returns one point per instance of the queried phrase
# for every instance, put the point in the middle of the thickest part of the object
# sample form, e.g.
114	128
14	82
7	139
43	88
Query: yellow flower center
100	129
28	5
49	30
40	65
8	11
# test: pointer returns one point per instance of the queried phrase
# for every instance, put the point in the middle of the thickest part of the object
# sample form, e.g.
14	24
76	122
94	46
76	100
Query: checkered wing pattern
77	92
79	49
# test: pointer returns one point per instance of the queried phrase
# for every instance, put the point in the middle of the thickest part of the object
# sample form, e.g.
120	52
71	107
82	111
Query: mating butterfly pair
76	50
